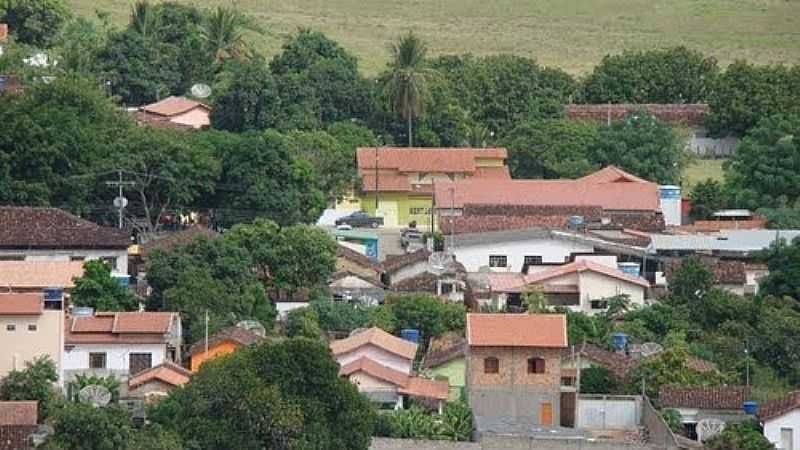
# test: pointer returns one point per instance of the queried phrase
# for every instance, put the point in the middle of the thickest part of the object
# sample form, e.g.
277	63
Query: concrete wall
603	412
419	444
772	429
117	355
65	255
659	434
551	250
20	346
594	286
378	355
505	443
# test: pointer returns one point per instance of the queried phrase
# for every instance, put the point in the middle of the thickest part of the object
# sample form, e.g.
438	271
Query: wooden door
546	414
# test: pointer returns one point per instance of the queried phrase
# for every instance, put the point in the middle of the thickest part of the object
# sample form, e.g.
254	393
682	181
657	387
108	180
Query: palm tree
223	32
406	82
143	19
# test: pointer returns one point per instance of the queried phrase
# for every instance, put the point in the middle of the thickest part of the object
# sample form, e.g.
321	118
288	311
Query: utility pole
376	180
120	202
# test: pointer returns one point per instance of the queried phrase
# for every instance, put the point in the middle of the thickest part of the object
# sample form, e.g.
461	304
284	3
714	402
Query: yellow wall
489	162
215	351
21	345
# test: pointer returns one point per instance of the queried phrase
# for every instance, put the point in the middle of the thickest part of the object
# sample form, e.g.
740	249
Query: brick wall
15	437
514	366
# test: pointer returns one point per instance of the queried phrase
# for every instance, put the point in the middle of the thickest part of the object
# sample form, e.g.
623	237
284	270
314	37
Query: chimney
3	32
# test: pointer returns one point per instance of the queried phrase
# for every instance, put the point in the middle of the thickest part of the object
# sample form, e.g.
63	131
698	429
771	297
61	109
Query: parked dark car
360	219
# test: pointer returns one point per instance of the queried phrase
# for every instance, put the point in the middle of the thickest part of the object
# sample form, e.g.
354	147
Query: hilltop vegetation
570	35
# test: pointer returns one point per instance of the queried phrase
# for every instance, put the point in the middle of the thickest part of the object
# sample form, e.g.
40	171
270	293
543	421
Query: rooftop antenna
120	202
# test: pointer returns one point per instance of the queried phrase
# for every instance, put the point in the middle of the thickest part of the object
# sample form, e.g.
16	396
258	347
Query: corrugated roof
379	338
741	241
21	304
39	274
517	330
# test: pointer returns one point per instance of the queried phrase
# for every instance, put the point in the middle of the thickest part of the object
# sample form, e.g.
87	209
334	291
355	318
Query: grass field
700	170
571	34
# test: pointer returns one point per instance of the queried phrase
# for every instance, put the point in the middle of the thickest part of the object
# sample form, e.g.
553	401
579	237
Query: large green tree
551	148
642	145
260	178
783	261
740	436
97	289
673	75
747	93
80	426
707	197
405	83
332	160
765	168
34	382
426	313
213	277
284	396
246	97
223	32
34	22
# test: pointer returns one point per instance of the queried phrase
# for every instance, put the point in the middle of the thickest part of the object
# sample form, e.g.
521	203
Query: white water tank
669	197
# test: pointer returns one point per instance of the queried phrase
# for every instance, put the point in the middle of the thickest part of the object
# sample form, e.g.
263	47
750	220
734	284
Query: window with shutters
491	365
536	365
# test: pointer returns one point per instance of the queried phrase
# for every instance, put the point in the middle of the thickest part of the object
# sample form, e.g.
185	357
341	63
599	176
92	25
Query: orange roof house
156	382
403	178
175	112
514	369
223	342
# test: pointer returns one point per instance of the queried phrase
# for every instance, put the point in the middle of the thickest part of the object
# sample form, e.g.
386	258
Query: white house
122	344
513	250
50	234
781	421
583	285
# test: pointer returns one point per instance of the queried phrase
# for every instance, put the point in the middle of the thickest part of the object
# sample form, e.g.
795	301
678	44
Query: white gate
609	412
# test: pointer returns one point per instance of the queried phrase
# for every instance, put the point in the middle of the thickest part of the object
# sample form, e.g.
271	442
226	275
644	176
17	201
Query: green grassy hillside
572	34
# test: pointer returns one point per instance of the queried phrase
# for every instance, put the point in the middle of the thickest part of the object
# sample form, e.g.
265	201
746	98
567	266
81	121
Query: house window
11	327
139	362
599	304
491	365
12	257
536	365
32	327
498	261
532	260
77	258
568	381
416	211
97	360
112	262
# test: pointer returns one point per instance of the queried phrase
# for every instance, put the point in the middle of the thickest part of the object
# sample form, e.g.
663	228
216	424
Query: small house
223	342
781	421
175	112
724	403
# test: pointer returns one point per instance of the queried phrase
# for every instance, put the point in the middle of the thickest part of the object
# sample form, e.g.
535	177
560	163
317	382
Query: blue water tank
410	334
619	340
750	408
123	280
53	294
631	268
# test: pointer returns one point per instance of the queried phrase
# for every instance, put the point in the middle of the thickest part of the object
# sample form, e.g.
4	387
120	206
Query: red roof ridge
181	377
379	338
173	105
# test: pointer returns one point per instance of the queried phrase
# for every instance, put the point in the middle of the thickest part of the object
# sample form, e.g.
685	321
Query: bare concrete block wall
659	433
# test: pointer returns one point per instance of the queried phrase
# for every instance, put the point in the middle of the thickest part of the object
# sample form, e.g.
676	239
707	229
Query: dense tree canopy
97	289
34	22
34	382
286	395
551	148
707	198
674	75
765	168
246	98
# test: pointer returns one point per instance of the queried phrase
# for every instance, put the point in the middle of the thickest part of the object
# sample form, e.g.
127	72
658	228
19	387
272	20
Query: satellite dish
708	428
439	262
651	348
95	395
201	90
254	326
120	202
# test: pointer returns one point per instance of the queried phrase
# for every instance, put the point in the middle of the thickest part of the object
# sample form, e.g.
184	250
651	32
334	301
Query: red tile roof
3	32
492	172
119	327
395	262
18	413
724	271
611	174
779	406
688	114
609	196
357	258
166	372
440	160
172	106
388	182
39	274
583	266
29	228
720	397
517	330
21	304
235	335
177	238
379	338
408	385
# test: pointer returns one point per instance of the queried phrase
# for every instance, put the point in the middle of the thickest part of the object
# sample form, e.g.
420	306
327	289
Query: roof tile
18	413
166	372
29	228
441	160
172	106
779	406
517	330
720	397
377	337
21	304
236	335
39	274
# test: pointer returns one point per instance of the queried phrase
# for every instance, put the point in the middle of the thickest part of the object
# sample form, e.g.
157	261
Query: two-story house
50	234
31	326
514	369
122	344
397	183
